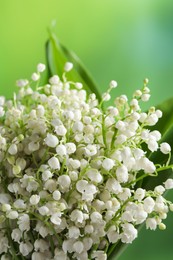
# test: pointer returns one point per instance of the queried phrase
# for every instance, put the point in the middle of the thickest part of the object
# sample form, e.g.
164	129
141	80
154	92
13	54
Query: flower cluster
70	169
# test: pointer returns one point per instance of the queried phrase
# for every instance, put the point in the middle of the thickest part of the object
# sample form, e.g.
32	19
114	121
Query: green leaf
57	55
165	126
166	121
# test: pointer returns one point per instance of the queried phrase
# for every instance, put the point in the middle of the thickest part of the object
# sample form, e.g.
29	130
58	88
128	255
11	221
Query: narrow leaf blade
57	55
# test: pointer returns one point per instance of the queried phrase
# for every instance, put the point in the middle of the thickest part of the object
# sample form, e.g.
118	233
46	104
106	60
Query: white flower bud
59	255
168	184
77	216
129	233
113	84
2	112
21	163
38	256
6	207
64	181
12	149
90	150
51	140
40	111
138	153
162	226
54	80
120	125
149	204
87	120
165	148
78	247
34	199
60	130
73	175
74	232
113	111
122	174
24	222
70	148
41	67
113	236
94	175
55	219
159	113
143	117
113	185
108	164
125	194
145	97
137	93
35	76
134	104
159	189
78	126
22	83
156	134
96	217
50	185
120	139
33	146
147	165
46	175
152	119
151	223
43	210
41	245
61	150
75	164
19	204
56	195
68	66
146	89
78	85
89	229
12	214
25	248
152	145
88	129
54	163
16	235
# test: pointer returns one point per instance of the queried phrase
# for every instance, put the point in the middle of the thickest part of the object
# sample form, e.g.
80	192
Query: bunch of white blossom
70	169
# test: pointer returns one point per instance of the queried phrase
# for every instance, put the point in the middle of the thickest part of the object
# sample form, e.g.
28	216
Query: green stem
12	248
165	168
51	245
62	166
113	138
138	179
48	225
146	174
104	133
34	160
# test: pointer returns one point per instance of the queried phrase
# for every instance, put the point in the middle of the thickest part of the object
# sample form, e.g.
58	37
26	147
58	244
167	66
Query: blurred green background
116	39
